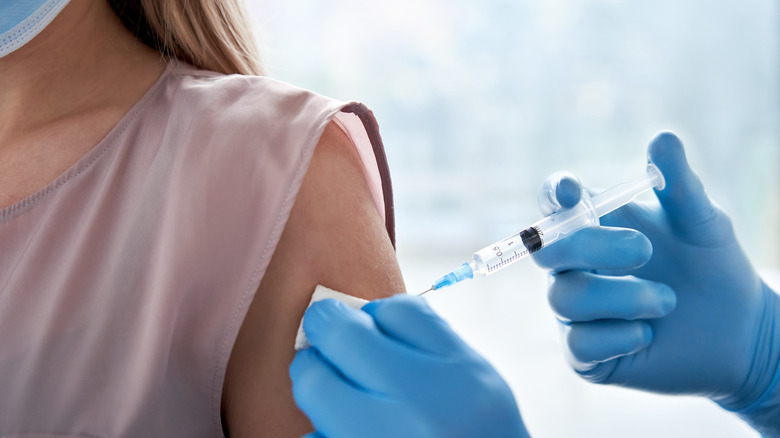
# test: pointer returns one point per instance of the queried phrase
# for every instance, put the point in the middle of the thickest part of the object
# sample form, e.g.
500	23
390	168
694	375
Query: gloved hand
662	298
395	369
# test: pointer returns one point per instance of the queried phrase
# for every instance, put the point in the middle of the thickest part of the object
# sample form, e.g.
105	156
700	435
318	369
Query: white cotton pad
321	293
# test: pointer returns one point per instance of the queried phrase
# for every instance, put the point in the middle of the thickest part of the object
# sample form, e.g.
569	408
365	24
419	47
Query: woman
164	223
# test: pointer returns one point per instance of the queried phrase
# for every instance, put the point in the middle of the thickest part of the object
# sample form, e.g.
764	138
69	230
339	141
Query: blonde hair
209	34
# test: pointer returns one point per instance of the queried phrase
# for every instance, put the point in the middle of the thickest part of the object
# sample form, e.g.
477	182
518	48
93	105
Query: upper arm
334	237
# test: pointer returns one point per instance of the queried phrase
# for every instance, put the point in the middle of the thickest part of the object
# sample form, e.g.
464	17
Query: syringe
557	226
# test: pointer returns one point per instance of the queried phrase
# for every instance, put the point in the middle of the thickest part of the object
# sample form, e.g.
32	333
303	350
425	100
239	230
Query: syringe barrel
503	253
519	245
525	242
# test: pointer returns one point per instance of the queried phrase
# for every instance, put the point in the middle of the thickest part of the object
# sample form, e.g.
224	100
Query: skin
61	93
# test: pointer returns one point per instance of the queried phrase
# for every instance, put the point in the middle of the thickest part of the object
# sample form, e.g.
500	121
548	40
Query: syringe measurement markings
504	262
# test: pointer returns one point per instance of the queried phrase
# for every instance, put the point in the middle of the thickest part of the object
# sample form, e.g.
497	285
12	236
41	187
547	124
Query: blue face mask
22	20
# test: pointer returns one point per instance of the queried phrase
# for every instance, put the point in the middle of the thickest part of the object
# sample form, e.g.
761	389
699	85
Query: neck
84	60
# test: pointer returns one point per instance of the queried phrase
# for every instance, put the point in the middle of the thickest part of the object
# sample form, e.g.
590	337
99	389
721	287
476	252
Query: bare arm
334	237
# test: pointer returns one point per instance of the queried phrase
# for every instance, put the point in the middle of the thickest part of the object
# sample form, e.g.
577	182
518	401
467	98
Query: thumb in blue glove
395	369
661	297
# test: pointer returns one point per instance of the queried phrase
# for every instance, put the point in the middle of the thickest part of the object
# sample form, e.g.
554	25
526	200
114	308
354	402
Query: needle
419	295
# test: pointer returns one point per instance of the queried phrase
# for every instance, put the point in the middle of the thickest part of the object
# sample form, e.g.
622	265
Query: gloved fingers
410	320
579	296
688	207
600	341
352	343
314	435
315	382
327	398
595	248
560	190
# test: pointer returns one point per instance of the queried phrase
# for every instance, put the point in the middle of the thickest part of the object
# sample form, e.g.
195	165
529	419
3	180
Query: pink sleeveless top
124	282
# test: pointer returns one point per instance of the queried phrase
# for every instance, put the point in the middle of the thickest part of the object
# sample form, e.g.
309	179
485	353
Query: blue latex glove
395	369
662	298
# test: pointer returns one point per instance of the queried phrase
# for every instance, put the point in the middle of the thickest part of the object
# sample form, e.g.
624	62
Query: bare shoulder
334	237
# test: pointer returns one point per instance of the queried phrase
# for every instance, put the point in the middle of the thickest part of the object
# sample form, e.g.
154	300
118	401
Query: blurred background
478	102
